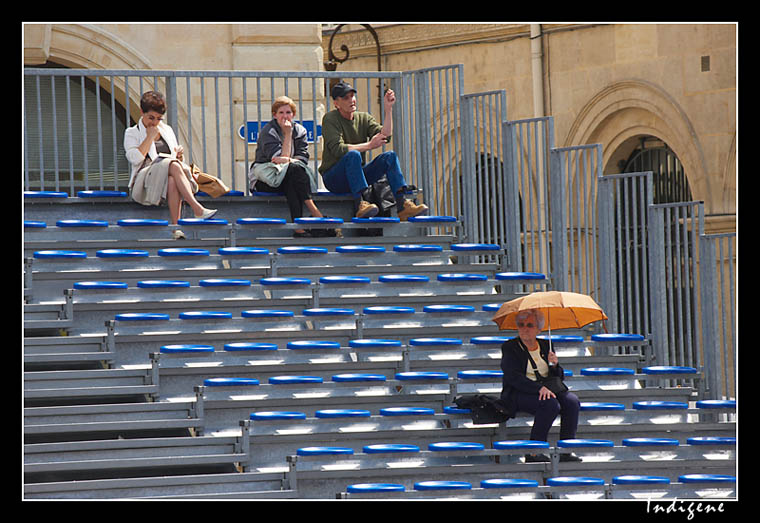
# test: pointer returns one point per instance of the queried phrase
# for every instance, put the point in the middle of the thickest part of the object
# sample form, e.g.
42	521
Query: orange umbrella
562	310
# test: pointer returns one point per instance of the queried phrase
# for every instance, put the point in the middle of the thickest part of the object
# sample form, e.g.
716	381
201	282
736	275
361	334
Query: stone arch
632	108
85	46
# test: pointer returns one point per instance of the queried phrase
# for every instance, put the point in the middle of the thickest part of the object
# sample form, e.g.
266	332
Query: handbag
209	184
553	383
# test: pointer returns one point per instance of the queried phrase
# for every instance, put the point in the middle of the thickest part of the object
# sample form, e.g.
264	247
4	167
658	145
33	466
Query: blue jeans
350	176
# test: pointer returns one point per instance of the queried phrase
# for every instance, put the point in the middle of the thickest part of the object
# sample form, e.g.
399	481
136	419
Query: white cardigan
135	135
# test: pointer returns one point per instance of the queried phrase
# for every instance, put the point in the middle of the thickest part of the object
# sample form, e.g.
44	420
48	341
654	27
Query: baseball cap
341	89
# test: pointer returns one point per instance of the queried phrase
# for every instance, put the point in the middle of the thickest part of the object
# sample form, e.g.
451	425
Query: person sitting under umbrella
521	390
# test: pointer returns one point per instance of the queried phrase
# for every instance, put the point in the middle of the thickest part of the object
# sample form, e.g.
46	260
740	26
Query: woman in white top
157	161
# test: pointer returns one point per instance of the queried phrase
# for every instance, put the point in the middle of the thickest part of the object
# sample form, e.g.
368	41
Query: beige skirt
151	181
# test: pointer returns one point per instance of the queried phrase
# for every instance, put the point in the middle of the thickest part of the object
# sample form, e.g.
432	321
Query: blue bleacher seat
322	451
242	251
659	405
360	249
643	442
594	405
343	279
301	250
474	247
508	483
706	478
403	278
312	344
478	374
606	371
316	220
487	340
204	315
442	485
122	253
284	281
224	282
342	413
711	440
182	251
390	309
433	219
668	369
81	223
455	277
451	409
360	377
162	284
261	221
491	307
89	285
45	194
230	382
520	444
267	313
373	343
426	342
422	375
417	248
34	224
455	445
142	316
716	404
60	254
242	346
190	222
620	337
636	479
574	481
561	338
389	447
375	487
294	380
142	222
448	308
277	415
520	276
101	194
406	411
186	348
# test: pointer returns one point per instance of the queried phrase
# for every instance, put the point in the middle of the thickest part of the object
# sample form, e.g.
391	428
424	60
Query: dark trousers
566	405
296	187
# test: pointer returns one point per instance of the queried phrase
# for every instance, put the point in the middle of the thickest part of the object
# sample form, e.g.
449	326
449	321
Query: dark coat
514	361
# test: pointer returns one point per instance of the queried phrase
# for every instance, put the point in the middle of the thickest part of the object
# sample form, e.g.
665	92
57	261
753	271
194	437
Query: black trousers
296	187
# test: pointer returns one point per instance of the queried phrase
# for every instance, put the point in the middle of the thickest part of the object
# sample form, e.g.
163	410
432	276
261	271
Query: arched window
73	139
668	177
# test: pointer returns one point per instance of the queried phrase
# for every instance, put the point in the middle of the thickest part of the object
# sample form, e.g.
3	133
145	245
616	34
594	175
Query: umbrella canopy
562	310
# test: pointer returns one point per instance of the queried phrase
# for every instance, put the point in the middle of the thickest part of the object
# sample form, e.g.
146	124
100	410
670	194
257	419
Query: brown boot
366	209
411	210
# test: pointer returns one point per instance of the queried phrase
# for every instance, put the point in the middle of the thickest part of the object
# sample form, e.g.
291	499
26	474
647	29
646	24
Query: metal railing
217	114
718	312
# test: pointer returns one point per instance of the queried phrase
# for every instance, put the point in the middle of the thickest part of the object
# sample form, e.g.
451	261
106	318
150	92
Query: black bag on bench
483	407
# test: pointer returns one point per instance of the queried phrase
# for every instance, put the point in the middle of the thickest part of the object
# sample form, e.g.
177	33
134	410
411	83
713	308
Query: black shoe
537	458
569	457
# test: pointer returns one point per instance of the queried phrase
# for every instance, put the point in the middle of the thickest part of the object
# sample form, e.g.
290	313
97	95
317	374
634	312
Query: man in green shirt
348	135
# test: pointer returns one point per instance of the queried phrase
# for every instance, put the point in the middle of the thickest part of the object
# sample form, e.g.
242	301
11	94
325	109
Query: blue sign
250	131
